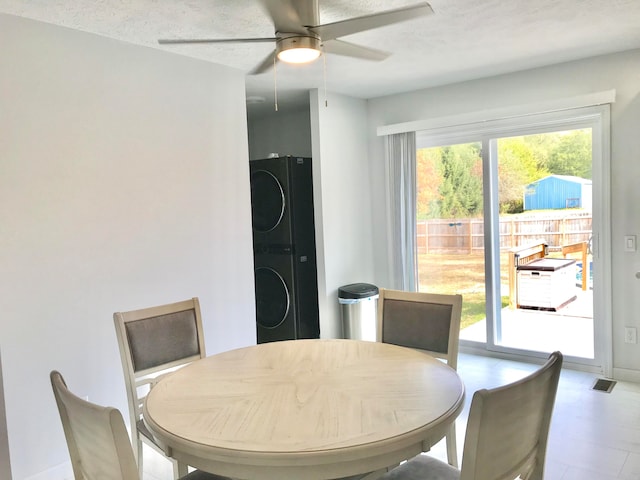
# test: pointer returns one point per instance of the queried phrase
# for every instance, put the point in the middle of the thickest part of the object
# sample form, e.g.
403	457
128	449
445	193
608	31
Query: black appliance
284	249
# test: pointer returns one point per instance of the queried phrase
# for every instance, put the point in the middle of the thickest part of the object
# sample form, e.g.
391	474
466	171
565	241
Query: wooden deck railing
522	256
582	248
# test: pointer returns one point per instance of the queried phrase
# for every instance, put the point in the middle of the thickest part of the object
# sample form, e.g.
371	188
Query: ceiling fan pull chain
324	74
275	84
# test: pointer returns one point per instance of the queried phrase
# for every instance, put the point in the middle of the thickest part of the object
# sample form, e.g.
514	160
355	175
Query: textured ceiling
462	40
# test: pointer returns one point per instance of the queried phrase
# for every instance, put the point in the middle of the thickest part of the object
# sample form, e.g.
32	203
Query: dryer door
273	298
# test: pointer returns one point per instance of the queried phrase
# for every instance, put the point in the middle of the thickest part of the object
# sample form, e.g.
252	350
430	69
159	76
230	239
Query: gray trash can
359	310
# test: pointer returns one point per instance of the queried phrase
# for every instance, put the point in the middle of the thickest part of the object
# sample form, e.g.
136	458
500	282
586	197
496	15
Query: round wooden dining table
304	409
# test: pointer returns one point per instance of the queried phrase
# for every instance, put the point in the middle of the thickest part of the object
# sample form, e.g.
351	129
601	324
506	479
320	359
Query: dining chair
425	321
97	439
154	341
507	432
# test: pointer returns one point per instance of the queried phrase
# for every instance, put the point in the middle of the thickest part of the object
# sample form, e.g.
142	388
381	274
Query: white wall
5	460
620	72
343	201
285	132
123	184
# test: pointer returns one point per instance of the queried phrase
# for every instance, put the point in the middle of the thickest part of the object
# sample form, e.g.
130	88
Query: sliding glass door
545	201
450	239
506	216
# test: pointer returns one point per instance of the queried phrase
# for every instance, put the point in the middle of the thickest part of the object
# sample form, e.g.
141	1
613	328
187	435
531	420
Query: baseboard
626	375
59	472
537	359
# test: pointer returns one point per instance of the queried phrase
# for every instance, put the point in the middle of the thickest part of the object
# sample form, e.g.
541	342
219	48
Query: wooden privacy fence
466	235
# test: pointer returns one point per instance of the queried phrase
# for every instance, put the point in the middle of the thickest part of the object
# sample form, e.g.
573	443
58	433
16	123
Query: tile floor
594	435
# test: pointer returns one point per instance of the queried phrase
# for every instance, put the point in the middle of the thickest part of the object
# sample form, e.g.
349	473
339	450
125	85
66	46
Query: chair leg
139	455
179	469
452	448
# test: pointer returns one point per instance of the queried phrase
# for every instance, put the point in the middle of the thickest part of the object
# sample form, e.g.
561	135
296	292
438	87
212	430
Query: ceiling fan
300	38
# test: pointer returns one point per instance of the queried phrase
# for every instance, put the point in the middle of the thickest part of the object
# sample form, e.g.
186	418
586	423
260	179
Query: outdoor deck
569	330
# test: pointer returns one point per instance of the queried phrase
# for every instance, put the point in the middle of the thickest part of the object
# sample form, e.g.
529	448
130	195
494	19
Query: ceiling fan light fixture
298	49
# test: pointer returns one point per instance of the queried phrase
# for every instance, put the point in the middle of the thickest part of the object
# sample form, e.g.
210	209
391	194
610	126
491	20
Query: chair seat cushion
422	467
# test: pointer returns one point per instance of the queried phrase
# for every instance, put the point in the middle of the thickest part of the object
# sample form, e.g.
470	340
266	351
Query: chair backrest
426	321
97	438
508	427
156	340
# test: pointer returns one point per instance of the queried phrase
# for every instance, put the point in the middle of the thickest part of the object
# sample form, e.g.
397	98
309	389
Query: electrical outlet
630	335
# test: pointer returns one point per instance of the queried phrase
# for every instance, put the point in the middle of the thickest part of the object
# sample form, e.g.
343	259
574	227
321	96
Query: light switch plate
629	243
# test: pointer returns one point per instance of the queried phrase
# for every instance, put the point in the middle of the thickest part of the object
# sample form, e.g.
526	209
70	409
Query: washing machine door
273	299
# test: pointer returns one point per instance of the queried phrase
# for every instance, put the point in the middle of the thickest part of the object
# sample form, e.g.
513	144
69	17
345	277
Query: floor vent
603	385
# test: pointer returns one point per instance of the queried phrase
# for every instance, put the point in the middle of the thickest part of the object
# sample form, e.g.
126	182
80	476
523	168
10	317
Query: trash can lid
357	290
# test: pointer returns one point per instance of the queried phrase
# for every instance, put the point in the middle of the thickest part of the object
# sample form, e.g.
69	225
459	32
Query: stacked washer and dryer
284	247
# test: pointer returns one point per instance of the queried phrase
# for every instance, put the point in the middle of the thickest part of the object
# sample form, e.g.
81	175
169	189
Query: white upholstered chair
154	341
97	439
425	321
507	432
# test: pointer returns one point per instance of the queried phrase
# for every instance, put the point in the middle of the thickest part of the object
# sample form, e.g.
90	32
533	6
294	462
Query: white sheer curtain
401	209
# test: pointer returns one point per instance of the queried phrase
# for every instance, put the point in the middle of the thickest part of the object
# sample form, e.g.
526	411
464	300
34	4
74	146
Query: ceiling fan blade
265	65
178	41
285	15
342	28
347	49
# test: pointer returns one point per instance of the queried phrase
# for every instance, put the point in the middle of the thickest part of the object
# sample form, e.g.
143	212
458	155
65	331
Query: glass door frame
598	119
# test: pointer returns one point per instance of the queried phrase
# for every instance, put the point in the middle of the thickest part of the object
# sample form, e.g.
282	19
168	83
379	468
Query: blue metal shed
557	192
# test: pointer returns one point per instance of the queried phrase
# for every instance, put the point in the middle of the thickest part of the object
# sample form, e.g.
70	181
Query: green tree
572	155
519	163
449	178
461	187
541	146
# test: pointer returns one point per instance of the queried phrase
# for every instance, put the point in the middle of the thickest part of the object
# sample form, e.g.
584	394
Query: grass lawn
464	274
